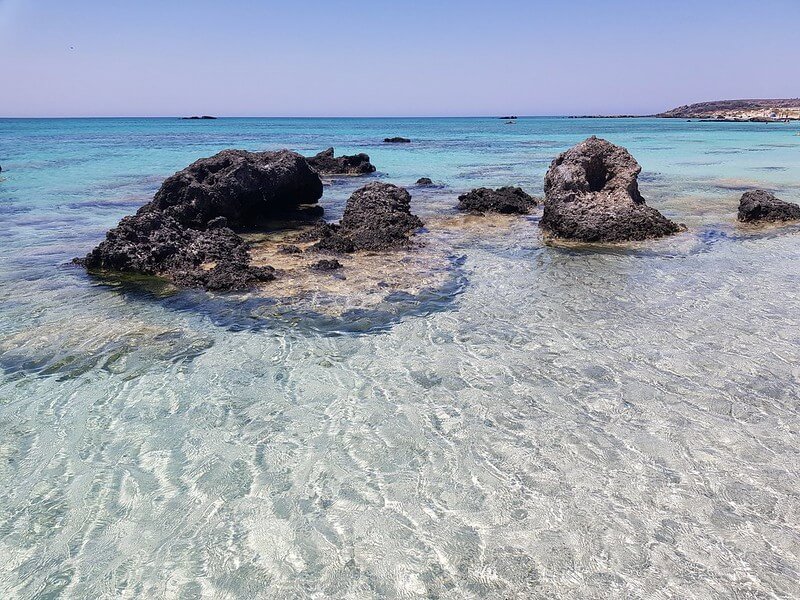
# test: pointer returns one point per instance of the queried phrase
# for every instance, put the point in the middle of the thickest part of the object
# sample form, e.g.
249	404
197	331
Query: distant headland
765	111
739	110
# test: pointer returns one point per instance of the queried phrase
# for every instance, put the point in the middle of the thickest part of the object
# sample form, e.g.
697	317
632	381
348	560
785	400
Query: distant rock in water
762	206
396	140
505	200
592	195
324	163
376	217
244	187
509	117
424	181
183	234
195	118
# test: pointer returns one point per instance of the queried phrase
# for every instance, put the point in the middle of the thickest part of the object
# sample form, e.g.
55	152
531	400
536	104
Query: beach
507	418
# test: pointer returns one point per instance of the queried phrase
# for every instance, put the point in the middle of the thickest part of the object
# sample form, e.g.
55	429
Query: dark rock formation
506	200
397	140
194	118
760	206
376	217
152	243
592	195
244	187
509	117
325	164
289	249
326	265
183	233
424	181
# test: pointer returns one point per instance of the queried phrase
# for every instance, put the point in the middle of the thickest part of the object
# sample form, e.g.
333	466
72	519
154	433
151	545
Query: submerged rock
396	140
424	181
244	187
183	233
356	164
326	264
505	200
592	195
760	206
376	217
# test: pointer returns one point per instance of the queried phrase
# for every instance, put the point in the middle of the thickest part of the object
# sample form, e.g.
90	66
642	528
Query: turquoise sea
535	421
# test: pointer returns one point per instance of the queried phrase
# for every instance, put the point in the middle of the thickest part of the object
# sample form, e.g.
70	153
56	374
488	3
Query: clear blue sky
399	57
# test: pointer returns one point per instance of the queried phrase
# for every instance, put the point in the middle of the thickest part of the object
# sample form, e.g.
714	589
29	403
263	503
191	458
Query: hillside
739	110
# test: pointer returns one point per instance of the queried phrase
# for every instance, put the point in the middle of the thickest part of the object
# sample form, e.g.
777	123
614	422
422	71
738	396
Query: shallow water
543	421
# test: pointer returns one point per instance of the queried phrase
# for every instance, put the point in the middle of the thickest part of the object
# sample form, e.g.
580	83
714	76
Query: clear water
551	422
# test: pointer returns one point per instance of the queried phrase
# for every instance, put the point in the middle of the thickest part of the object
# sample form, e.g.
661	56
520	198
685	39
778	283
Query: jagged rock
376	217
244	187
183	233
424	181
324	163
506	200
326	265
592	195
397	140
760	205
156	244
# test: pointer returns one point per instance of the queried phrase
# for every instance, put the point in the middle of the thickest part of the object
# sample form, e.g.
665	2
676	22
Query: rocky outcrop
506	200
765	110
592	195
324	163
201	118
762	206
183	234
376	217
244	187
397	140
423	181
153	243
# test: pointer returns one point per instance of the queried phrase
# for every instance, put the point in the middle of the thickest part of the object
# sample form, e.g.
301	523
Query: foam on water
540	421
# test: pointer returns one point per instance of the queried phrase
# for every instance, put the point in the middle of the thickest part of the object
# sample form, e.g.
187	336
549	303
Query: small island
198	118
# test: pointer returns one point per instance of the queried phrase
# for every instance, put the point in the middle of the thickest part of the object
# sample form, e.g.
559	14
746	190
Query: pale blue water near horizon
541	422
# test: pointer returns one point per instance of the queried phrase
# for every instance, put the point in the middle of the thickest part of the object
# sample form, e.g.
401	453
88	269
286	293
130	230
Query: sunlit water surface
538	422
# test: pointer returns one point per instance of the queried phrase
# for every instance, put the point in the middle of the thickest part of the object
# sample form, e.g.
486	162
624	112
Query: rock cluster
184	233
592	195
376	217
760	206
505	200
396	140
324	163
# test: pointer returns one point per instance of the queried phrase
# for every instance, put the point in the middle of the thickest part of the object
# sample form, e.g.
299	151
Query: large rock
760	205
183	234
153	243
244	187
592	195
376	217
506	200
324	163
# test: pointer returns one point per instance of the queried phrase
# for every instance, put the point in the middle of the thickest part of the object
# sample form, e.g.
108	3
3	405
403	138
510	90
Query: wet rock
324	163
326	265
592	195
156	244
183	234
244	187
424	181
376	217
505	200
396	140
289	249
762	206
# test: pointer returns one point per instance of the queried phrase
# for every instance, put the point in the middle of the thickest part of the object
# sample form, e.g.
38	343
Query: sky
391	58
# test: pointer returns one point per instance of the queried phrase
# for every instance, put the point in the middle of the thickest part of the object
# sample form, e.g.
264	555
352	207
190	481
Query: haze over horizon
392	58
